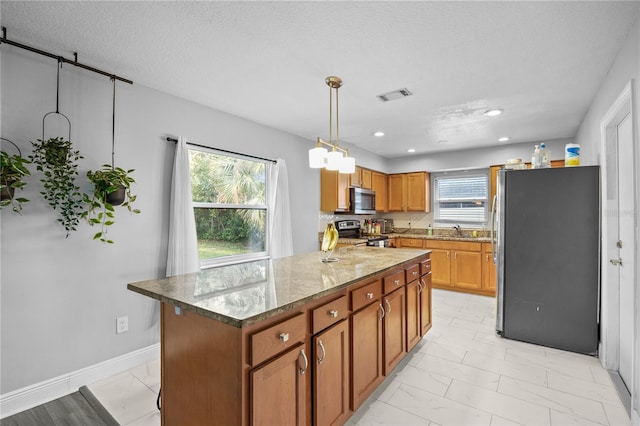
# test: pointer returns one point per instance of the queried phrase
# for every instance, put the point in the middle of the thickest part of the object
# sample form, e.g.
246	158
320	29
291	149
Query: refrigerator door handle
493	228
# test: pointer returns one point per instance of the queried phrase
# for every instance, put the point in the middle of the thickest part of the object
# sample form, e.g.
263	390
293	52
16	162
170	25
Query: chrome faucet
458	230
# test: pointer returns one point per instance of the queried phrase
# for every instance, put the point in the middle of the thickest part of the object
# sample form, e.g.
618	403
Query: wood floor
77	409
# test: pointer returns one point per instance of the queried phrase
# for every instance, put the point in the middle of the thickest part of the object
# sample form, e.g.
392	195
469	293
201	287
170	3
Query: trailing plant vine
12	174
107	182
57	160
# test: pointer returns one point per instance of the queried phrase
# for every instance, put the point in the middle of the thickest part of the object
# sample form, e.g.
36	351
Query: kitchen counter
420	236
245	293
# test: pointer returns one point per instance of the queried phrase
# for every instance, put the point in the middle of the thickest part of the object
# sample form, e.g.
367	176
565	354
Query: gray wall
61	297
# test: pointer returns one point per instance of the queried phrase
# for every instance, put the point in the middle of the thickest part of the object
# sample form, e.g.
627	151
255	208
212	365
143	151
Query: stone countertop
245	293
355	241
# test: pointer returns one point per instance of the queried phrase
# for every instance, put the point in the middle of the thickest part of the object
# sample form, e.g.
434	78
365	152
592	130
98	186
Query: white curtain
182	253
280	214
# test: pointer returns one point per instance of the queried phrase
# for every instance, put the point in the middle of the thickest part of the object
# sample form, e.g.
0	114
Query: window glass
460	198
229	198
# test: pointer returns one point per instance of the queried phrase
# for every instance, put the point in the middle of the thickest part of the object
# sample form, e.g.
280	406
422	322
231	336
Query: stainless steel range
351	229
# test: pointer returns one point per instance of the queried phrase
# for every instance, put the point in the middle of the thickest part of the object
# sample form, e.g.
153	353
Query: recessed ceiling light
378	134
411	150
442	141
493	112
504	139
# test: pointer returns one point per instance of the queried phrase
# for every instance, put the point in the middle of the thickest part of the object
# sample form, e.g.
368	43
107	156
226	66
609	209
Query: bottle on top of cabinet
536	158
545	160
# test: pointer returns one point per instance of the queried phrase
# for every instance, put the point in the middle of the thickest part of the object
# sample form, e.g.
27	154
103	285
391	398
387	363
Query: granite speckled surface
245	293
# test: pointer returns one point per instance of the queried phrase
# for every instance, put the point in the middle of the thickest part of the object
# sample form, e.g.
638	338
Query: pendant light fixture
337	158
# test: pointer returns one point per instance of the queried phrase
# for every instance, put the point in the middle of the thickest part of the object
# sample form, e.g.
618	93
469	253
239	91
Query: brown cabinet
379	185
334	191
488	269
409	192
410	243
331	378
425	303
457	265
361	178
413	314
278	390
366	349
394	323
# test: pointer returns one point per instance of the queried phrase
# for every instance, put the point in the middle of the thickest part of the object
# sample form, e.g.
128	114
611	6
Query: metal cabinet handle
369	295
306	362
333	314
381	312
386	301
324	352
617	262
415	273
396	282
447	254
420	288
284	337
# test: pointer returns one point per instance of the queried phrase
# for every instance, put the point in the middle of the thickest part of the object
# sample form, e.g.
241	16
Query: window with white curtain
461	197
230	205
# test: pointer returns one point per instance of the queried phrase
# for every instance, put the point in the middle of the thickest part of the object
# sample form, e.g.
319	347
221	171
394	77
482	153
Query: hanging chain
113	126
58	86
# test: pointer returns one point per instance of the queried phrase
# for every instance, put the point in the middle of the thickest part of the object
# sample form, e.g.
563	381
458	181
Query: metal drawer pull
381	310
333	314
324	352
386	301
369	295
306	362
284	337
396	282
415	273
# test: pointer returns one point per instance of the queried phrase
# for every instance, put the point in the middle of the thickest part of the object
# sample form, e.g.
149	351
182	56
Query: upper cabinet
334	191
409	192
361	178
379	185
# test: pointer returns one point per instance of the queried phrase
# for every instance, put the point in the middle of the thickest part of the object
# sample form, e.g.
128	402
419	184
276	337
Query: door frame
609	292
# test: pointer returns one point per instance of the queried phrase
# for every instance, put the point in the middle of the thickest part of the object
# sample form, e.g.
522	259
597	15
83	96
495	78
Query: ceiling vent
396	94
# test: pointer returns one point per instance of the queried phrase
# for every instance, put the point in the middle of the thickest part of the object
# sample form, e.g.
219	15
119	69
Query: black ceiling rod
59	58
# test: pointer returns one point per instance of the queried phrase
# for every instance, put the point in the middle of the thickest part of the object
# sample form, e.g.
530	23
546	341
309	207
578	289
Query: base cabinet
425	304
413	314
441	261
278	390
488	269
314	364
332	381
366	338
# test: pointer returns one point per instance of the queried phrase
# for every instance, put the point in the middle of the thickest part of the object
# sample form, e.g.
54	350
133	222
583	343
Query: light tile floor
460	374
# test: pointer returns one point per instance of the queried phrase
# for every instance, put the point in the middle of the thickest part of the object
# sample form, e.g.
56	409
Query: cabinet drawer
425	266
277	338
394	281
329	314
412	272
411	242
362	296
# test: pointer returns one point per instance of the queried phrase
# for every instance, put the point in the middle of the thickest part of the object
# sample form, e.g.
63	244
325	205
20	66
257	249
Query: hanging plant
111	187
57	160
12	174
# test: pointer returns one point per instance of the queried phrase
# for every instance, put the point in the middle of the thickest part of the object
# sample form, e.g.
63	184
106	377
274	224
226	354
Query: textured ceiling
542	62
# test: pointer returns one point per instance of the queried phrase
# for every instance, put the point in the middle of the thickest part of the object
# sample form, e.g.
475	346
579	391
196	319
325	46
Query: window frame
246	257
457	174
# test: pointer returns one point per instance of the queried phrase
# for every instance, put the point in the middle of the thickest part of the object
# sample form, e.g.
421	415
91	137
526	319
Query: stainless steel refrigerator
547	256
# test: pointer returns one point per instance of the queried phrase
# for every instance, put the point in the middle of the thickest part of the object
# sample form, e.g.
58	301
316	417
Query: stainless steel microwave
361	201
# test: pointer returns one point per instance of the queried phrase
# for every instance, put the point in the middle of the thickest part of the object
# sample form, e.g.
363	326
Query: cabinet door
488	272
441	267
334	191
331	375
425	304
366	350
395	192
395	321
355	178
467	269
278	390
379	185
417	192
413	314
365	178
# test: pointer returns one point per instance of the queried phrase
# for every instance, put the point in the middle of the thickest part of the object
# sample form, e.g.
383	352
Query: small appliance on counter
386	225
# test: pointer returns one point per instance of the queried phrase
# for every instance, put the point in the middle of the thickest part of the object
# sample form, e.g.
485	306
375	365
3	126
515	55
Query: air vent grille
396	94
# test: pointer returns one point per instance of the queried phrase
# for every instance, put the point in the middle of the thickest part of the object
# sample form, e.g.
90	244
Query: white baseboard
48	390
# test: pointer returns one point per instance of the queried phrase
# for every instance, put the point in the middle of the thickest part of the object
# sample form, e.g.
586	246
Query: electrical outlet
122	325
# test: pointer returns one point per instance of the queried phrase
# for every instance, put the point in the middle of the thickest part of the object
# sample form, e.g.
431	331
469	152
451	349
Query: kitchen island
287	341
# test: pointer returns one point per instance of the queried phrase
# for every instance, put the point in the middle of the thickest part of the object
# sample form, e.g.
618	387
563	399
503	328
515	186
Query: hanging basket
8	192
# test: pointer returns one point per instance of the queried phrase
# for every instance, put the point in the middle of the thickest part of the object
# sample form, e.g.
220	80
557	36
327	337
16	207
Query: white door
625	247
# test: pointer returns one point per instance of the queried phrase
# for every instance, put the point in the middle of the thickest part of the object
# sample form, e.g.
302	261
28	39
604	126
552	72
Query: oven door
378	242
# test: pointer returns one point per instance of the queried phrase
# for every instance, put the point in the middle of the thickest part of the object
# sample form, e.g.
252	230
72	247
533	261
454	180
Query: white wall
625	68
61	297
